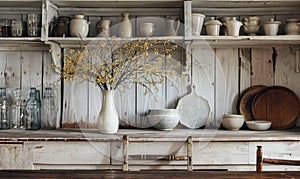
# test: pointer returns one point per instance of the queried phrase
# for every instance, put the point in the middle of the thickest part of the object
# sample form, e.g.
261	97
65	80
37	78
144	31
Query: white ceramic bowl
258	125
163	119
233	121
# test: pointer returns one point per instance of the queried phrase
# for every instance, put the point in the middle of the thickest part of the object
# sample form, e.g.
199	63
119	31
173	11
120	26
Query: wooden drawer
71	153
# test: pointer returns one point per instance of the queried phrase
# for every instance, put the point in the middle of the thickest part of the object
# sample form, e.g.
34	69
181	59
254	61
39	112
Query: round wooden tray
245	101
277	104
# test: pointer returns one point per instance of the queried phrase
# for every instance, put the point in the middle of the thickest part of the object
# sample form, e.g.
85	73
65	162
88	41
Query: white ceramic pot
233	26
232	121
292	27
213	27
108	120
79	27
271	27
125	27
197	23
147	29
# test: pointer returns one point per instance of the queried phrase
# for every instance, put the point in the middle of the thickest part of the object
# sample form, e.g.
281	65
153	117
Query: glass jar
6	28
33	25
17	28
33	111
49	109
62	26
17	111
5	110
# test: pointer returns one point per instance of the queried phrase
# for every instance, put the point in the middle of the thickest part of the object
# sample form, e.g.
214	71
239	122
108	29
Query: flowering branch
111	65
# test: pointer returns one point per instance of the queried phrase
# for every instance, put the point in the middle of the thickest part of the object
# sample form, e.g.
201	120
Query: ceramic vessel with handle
233	26
172	27
292	27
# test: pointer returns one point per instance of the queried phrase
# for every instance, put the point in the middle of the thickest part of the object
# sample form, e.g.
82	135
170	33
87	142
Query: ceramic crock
79	27
213	27
271	27
292	27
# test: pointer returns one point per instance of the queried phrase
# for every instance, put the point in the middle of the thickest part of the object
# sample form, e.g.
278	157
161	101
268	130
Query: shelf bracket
55	51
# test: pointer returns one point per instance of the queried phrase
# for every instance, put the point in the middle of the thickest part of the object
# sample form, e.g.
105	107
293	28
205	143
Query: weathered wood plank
32	69
262	66
203	76
245	69
229	61
52	79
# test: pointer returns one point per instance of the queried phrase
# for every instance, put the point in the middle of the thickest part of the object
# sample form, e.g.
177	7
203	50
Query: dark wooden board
245	101
84	174
277	104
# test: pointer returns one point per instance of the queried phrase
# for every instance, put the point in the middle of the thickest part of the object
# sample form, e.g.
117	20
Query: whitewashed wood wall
220	74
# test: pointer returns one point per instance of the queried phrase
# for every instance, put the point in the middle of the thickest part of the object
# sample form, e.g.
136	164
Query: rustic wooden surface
149	135
68	174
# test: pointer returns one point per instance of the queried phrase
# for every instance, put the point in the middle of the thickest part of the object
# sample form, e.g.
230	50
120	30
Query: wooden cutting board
277	104
244	103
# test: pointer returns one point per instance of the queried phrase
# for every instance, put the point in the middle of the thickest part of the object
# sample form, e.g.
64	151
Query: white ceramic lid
212	21
272	21
79	16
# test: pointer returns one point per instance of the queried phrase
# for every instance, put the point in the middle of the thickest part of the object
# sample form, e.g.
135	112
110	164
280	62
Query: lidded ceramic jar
233	26
213	27
271	27
79	27
292	27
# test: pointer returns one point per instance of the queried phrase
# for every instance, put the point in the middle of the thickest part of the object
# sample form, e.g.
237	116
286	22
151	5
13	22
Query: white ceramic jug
125	27
103	27
172	30
233	26
79	27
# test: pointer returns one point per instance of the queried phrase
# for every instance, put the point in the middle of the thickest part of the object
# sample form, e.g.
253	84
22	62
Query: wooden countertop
141	135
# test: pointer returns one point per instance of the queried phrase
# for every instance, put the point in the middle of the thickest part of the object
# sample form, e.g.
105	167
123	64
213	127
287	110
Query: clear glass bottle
49	109
33	111
33	25
5	110
17	111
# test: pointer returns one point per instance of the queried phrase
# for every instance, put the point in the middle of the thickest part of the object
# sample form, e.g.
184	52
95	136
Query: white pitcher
172	30
233	26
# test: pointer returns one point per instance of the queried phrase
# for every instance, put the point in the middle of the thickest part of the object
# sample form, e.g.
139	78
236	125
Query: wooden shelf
246	41
246	7
75	42
135	135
